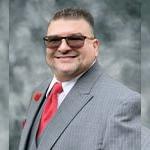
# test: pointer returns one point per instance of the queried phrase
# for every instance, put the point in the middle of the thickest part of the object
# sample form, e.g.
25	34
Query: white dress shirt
67	86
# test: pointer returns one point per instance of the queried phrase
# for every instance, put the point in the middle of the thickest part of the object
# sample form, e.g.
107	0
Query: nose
64	46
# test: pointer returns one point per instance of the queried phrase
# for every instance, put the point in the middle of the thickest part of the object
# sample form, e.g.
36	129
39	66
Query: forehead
67	26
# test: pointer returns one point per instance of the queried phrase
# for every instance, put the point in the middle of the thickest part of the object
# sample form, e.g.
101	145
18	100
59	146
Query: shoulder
109	87
105	89
116	99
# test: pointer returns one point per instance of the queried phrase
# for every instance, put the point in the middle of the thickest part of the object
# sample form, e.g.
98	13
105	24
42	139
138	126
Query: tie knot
57	88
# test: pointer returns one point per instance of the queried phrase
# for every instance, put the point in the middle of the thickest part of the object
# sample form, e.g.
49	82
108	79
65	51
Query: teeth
67	57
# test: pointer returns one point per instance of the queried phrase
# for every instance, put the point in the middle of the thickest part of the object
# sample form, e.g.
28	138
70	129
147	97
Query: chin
66	71
71	67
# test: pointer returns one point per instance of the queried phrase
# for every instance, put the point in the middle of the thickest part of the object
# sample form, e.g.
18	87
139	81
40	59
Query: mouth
65	57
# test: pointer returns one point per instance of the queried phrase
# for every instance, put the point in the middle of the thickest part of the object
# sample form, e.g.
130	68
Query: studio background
118	26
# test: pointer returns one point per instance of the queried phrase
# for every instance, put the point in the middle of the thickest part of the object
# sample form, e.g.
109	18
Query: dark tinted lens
52	42
75	41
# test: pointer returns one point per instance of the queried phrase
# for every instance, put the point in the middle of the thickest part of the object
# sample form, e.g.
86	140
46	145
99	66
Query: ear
96	43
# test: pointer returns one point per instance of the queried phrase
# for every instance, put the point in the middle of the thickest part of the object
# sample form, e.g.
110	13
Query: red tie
50	107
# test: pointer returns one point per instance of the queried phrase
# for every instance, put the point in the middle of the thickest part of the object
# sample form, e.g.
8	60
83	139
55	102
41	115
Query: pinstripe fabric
145	141
32	143
97	114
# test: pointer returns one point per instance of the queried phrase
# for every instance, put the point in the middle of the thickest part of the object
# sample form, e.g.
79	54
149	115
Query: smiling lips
66	56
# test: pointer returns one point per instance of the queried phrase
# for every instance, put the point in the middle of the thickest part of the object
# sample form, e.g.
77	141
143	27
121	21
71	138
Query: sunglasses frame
67	38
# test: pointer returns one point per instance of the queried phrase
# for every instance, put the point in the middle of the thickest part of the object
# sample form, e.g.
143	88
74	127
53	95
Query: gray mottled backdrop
4	75
145	62
118	26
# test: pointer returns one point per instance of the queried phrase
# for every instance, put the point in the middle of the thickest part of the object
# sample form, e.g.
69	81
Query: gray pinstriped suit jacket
145	141
97	114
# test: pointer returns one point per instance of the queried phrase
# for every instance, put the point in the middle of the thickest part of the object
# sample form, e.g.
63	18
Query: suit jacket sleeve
123	126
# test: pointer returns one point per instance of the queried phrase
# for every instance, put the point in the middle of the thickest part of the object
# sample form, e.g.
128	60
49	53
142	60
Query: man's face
67	62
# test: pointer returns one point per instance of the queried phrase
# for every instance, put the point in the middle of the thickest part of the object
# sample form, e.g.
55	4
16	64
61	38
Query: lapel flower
37	95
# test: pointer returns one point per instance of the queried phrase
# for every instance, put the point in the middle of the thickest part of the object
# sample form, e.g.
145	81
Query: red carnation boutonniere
37	95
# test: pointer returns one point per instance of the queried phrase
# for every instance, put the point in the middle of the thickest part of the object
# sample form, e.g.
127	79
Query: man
92	112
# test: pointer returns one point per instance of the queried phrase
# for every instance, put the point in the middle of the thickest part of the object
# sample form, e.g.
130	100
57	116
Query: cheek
90	54
49	53
49	57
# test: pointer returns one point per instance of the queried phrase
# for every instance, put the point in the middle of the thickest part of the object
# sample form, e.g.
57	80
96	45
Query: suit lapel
77	98
66	113
32	113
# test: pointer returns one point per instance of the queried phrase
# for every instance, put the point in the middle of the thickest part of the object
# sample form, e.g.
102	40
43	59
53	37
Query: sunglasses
73	41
